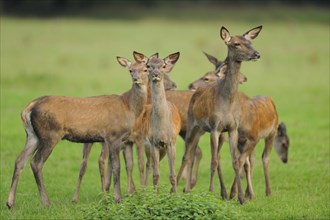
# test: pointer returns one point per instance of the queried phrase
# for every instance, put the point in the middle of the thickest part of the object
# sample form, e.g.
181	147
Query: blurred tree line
53	7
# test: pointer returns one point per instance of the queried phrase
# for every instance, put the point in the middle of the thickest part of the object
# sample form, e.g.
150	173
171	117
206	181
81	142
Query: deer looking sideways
257	117
216	109
49	119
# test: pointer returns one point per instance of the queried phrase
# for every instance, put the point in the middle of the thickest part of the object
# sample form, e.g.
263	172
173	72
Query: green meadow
76	56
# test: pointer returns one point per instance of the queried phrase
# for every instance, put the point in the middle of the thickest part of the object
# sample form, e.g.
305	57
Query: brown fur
258	121
49	119
160	123
127	153
217	109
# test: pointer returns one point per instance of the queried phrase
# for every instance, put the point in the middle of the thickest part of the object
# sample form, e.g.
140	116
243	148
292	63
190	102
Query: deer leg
248	166
269	141
198	157
149	162
252	159
102	158
140	151
214	152
86	151
245	148
37	163
155	159
224	195
233	139
114	151
128	157
191	149
108	174
249	189
28	151
171	162
191	142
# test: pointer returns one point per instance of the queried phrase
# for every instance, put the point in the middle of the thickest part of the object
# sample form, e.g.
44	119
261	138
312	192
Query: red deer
160	122
212	76
181	99
49	119
282	143
259	113
216	109
105	181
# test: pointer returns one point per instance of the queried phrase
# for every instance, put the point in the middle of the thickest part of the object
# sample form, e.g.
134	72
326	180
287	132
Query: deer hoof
224	196
242	200
10	205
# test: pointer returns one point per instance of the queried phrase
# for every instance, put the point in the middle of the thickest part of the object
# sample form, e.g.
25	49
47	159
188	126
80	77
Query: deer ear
170	60
224	34
156	55
124	62
222	70
139	57
213	60
253	33
281	129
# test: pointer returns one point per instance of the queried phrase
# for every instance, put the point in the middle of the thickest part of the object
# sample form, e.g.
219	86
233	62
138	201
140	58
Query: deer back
258	117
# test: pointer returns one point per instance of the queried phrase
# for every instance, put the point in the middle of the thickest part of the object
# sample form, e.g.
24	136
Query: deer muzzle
256	55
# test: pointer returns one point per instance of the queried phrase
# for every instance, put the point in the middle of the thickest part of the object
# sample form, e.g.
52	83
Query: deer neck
137	98
159	101
228	87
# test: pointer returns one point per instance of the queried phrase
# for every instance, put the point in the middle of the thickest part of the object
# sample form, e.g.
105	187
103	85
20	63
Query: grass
76	57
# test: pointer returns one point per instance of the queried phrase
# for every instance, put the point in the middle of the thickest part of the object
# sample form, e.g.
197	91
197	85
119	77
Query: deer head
159	67
282	143
239	47
138	70
210	77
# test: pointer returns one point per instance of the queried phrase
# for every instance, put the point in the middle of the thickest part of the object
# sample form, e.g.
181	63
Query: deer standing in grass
181	99
106	180
258	121
160	122
217	109
108	119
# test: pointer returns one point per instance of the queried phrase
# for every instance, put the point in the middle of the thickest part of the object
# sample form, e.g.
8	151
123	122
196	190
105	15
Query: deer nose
257	55
135	79
191	87
174	86
156	74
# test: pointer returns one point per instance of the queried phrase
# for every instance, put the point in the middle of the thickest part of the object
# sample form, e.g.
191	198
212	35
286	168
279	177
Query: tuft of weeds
160	204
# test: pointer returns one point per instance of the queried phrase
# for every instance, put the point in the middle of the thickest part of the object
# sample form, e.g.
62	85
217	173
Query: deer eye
206	79
145	70
148	66
130	71
164	66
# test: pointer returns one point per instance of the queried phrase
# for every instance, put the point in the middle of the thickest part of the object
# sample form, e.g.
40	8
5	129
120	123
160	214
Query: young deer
212	76
49	119
160	122
105	181
258	117
217	109
181	99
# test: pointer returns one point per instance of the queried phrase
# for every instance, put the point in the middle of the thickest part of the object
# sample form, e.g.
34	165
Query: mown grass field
76	56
